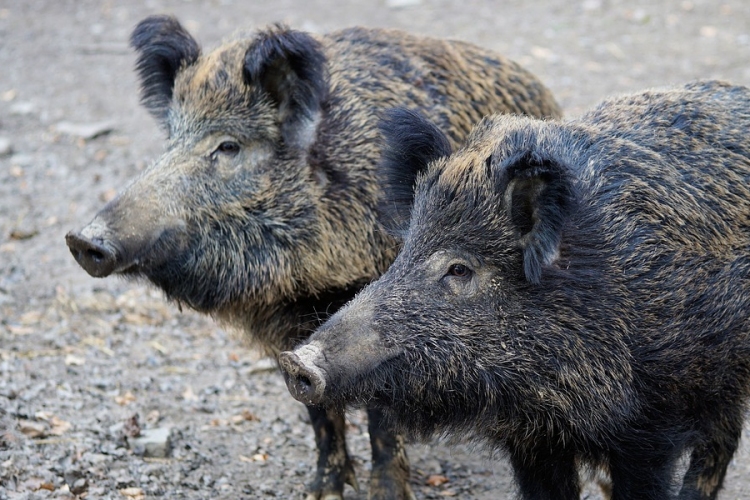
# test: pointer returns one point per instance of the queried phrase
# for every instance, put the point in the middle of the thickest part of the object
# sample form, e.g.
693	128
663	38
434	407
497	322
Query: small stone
85	131
5	146
11	94
398	4
21	160
433	467
154	443
22	108
262	365
79	486
133	492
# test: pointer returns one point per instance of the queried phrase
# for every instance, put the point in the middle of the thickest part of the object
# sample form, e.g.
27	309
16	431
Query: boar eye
229	148
459	271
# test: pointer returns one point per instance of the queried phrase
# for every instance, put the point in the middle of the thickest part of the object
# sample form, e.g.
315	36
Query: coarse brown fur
572	292
261	212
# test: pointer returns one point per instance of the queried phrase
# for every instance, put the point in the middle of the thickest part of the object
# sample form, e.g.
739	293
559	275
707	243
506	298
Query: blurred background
84	360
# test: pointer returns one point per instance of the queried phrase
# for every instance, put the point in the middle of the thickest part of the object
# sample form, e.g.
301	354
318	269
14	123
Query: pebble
397	4
153	443
22	160
22	108
5	146
85	131
261	366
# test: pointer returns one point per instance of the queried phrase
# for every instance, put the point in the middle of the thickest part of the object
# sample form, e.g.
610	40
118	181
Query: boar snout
97	256
94	255
305	380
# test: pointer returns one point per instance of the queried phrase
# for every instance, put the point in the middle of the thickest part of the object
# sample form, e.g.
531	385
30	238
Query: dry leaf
37	483
23	234
30	318
245	416
20	330
47	486
32	429
156	345
59	426
125	399
437	480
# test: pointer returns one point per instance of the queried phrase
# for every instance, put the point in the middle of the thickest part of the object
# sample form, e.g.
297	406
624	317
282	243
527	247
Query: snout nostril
304	382
95	255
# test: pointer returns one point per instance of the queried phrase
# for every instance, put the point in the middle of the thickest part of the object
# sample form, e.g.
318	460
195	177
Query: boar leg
710	458
547	472
643	470
390	466
335	468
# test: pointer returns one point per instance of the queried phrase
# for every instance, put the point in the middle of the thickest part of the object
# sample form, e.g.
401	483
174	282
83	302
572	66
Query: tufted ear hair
290	67
410	144
163	47
539	197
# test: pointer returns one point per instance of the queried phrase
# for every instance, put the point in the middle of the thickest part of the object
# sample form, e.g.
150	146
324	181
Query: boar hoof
305	382
330	484
390	480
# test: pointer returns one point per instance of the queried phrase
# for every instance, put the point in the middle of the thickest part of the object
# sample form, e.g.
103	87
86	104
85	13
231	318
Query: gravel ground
86	364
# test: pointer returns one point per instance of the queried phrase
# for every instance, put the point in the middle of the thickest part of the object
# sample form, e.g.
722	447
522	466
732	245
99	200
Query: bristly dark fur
163	47
411	142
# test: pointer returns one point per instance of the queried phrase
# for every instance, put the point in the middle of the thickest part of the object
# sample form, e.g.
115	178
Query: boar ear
290	67
410	144
163	47
539	196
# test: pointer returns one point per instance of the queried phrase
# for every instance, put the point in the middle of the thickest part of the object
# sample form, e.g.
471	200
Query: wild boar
262	210
573	293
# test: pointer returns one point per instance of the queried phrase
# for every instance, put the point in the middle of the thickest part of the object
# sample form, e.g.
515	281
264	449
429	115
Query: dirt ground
82	359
